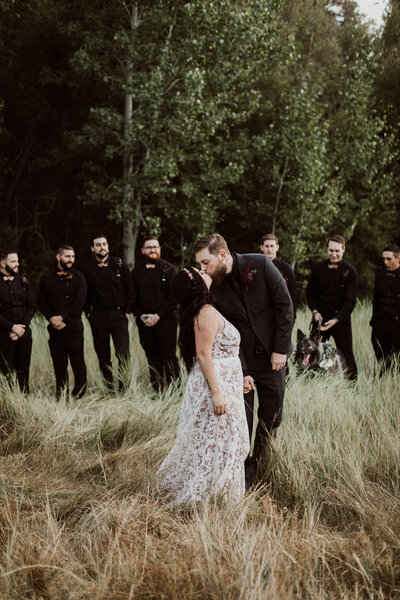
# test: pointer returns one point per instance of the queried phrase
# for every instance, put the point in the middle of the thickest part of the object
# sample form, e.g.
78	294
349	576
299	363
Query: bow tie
150	266
62	273
102	264
8	277
332	266
390	274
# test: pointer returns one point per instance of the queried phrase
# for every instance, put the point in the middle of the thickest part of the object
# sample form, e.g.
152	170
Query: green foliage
186	117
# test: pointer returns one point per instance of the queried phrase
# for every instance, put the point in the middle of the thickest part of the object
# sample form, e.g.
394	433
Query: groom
252	294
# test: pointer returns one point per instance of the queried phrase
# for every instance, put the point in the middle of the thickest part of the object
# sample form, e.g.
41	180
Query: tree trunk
131	227
132	201
278	195
131	218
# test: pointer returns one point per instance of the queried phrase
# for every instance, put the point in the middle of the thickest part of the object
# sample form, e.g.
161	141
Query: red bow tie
332	266
8	277
61	273
102	264
390	274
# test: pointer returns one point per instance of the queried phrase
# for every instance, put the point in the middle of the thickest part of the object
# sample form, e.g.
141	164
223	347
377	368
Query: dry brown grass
80	517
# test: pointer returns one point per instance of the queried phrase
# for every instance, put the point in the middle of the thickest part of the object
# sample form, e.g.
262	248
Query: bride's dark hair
192	294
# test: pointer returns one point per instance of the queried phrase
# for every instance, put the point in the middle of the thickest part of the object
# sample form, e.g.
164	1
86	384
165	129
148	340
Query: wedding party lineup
236	315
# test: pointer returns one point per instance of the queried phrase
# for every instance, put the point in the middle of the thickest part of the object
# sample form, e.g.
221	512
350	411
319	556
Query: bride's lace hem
208	456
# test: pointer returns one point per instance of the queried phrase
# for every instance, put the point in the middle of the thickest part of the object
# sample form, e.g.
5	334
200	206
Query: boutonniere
248	276
119	266
346	273
24	281
66	274
164	273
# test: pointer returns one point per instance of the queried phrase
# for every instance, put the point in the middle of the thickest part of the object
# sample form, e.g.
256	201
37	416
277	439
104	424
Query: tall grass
80	517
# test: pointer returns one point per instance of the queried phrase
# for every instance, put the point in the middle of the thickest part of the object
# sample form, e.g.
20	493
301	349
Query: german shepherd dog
312	354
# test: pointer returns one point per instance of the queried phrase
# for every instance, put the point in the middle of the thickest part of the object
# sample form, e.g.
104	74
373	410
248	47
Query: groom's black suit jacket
265	320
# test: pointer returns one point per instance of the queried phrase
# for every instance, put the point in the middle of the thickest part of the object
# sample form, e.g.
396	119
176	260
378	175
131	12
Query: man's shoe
250	471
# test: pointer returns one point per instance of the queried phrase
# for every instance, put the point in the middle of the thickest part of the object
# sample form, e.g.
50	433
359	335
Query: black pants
16	356
160	349
67	344
341	333
270	391
386	342
106	324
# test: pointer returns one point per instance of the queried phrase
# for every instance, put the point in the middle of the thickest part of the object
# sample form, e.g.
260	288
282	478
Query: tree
188	71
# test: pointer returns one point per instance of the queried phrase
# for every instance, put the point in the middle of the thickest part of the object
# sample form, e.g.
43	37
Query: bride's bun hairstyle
192	294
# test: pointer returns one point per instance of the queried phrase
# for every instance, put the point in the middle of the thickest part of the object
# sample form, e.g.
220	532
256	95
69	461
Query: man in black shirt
269	246
331	295
62	293
17	307
154	308
108	306
386	309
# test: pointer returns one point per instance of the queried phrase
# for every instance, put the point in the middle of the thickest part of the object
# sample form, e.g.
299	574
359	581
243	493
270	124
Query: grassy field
80	517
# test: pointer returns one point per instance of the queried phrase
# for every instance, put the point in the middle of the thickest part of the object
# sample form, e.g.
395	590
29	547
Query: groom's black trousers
270	391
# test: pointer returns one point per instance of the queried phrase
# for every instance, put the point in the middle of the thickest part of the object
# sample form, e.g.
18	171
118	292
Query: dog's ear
315	335
300	335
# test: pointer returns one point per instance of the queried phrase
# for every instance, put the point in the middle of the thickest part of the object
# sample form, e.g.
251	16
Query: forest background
182	118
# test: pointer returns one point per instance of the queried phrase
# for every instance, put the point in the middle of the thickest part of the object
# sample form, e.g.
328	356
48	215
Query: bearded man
17	307
62	294
108	305
252	294
154	308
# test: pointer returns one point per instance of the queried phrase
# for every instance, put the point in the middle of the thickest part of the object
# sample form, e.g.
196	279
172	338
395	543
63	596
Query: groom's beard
219	274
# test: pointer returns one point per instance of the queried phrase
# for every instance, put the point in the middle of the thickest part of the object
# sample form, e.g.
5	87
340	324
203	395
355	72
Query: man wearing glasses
154	308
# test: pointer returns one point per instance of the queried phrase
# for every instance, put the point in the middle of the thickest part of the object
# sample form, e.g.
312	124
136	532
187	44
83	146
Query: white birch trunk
131	219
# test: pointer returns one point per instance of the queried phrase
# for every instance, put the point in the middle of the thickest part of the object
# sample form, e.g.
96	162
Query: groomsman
62	293
386	309
17	307
108	306
331	295
154	308
269	246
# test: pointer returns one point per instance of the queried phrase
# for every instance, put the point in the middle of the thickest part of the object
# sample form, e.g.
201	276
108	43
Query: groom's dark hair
214	242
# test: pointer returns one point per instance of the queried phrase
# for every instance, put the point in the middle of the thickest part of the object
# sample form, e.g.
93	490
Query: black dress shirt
386	301
17	301
233	280
63	294
333	291
109	287
153	288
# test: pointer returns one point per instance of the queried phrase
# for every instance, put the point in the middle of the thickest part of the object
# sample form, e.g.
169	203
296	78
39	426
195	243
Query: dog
312	354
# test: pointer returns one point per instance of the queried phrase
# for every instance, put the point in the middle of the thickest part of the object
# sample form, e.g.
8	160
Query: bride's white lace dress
209	451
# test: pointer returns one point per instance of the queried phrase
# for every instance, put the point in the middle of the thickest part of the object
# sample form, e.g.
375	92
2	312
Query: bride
212	440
